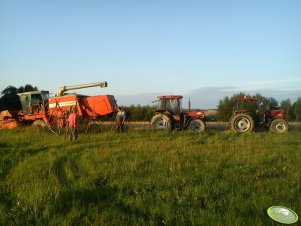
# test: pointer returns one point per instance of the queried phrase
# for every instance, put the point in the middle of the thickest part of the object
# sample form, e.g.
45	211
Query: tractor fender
187	121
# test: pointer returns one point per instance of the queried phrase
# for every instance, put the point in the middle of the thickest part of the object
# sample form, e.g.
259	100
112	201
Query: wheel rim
242	124
195	127
160	124
280	127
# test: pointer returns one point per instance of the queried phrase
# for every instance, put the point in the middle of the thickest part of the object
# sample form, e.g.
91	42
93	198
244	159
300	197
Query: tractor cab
245	104
34	102
170	105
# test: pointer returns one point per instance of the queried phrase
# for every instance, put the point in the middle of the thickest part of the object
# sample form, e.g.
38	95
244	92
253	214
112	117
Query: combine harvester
40	109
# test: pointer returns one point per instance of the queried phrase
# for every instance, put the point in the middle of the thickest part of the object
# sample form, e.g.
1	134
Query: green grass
147	178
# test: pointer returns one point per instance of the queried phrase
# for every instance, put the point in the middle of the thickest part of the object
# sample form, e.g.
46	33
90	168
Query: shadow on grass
12	156
100	196
58	170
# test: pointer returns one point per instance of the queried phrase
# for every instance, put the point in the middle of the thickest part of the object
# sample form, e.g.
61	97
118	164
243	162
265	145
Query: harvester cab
170	115
34	102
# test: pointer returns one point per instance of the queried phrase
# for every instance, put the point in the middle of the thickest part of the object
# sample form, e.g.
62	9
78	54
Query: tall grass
147	178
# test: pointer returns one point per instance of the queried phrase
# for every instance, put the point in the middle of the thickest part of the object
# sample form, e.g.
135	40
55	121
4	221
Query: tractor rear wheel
278	126
242	123
196	125
161	122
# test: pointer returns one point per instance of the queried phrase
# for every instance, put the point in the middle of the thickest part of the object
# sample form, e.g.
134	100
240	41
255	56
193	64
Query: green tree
10	100
287	106
139	113
225	107
273	103
297	109
27	88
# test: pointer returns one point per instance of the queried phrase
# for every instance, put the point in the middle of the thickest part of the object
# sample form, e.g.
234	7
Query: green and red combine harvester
253	113
40	109
169	115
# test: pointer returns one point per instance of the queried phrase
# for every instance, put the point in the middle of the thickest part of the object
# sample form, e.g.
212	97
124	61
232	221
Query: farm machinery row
248	114
38	108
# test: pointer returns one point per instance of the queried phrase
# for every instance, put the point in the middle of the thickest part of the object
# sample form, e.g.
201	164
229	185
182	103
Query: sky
203	50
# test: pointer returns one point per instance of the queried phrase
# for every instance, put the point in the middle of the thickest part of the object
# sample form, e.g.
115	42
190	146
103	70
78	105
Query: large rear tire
278	126
242	123
161	122
196	125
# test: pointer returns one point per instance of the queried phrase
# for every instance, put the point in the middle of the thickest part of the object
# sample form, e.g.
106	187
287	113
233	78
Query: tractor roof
33	92
246	99
170	97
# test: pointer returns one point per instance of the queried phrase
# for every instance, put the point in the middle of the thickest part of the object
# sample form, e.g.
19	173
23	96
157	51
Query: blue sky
199	49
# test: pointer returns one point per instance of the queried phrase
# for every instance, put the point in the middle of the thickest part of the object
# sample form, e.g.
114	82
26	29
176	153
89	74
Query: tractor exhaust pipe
63	89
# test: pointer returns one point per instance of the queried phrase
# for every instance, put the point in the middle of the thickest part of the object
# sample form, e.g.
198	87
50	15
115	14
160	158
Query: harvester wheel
278	126
197	125
94	127
161	122
39	122
242	123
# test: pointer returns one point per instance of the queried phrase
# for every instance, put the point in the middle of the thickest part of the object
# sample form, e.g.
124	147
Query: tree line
10	100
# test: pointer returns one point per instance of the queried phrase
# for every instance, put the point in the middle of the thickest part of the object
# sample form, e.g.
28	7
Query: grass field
147	178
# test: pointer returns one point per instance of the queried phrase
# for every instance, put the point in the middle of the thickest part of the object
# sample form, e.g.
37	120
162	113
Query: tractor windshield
161	105
45	95
247	105
173	106
261	105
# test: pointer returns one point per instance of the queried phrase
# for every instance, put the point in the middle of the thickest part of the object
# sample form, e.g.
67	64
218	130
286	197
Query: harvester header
67	88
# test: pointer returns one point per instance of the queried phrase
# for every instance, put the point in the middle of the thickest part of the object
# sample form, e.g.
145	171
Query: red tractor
169	115
253	113
40	109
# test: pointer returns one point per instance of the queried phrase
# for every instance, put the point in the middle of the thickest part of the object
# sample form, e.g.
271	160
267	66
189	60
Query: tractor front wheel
196	125
242	123
278	126
161	122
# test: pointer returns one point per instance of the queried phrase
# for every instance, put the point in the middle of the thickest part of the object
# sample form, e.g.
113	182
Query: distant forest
10	100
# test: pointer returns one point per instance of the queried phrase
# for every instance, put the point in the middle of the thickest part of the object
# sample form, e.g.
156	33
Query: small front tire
278	126
196	125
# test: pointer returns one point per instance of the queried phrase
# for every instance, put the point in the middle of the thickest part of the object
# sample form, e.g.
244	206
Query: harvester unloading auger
40	109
